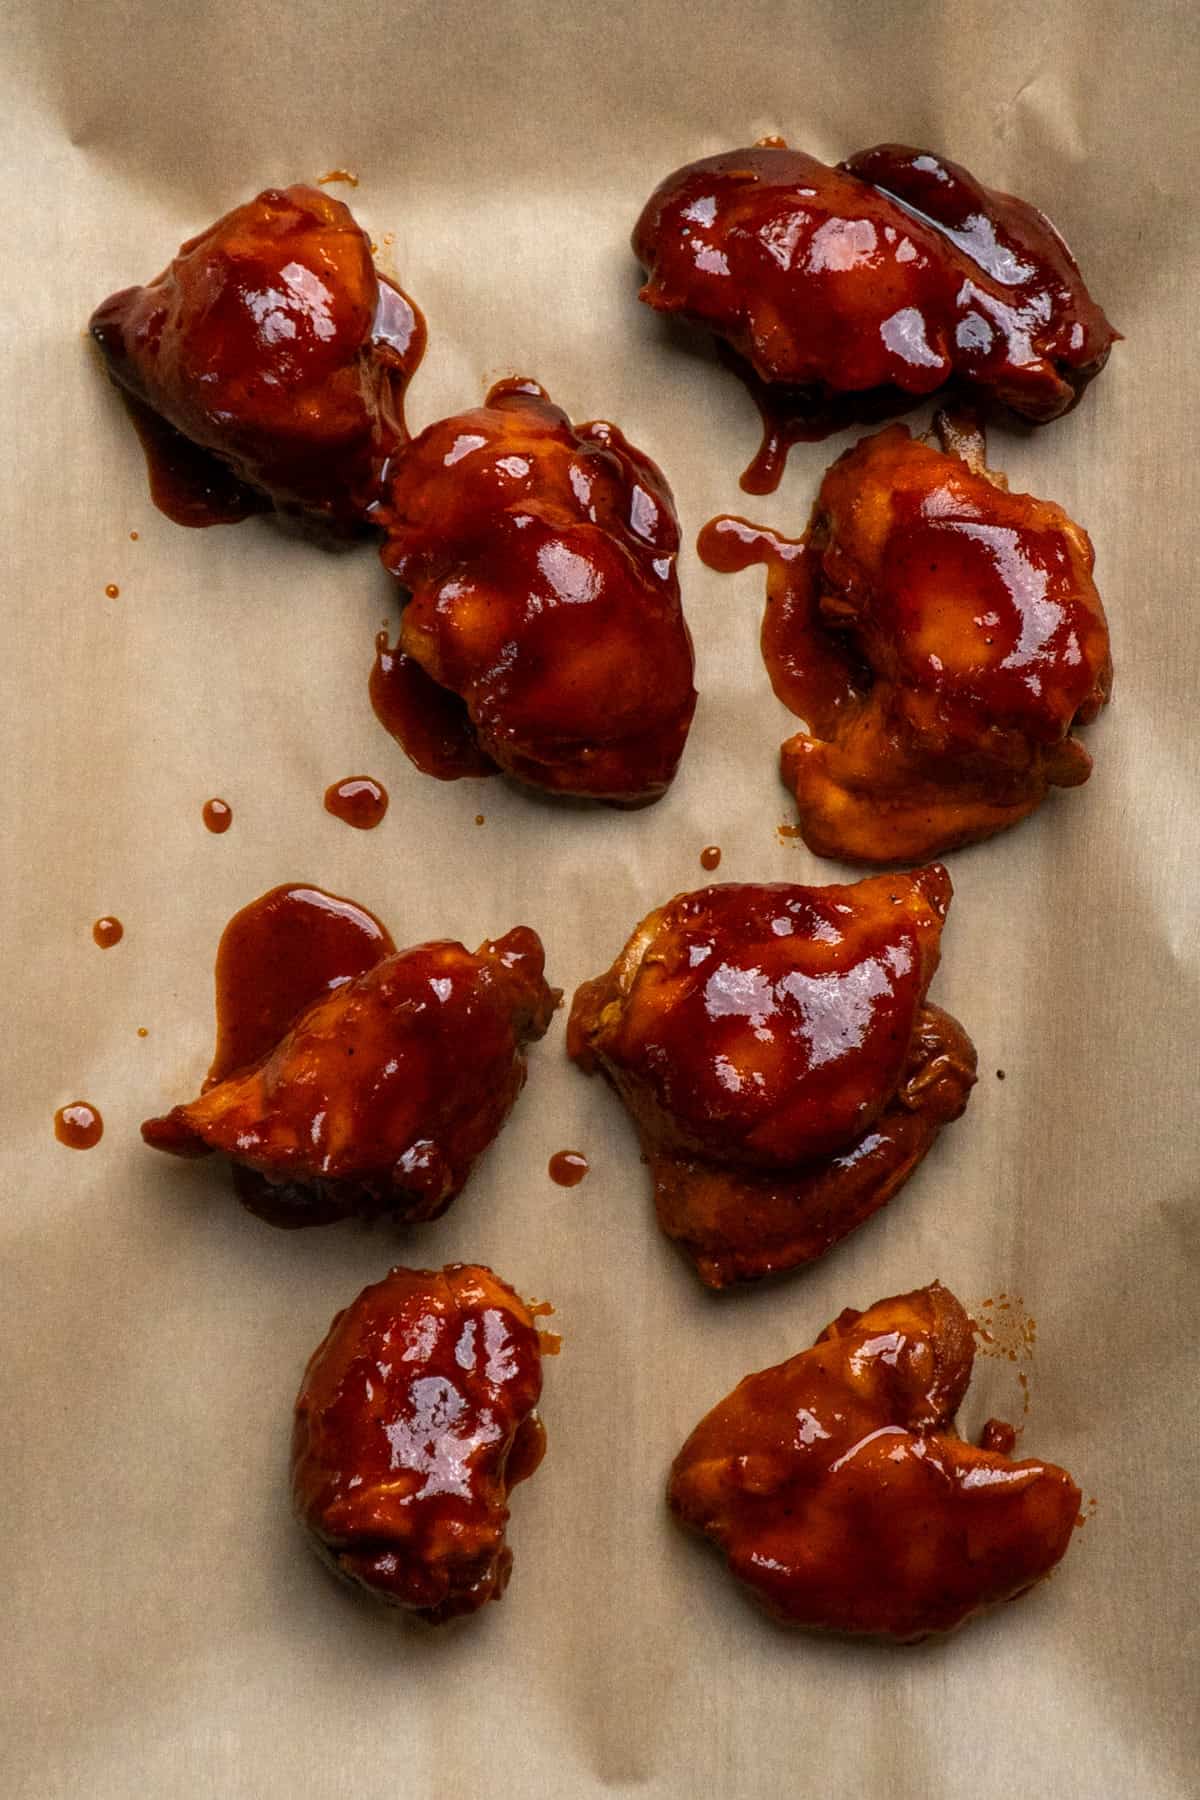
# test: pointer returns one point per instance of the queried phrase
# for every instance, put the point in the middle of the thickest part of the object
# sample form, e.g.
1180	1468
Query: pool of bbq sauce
816	676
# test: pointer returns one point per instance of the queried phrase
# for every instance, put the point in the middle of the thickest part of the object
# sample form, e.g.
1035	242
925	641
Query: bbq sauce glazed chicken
266	365
884	276
543	627
353	1078
838	1490
415	1420
775	1050
940	637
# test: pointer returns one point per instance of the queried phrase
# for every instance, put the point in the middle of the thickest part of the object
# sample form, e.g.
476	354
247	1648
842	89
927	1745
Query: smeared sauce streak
359	800
78	1125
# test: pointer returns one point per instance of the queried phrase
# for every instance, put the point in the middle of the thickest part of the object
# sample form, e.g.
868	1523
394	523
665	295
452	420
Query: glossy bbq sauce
107	931
797	415
710	857
568	1167
78	1125
217	815
276	957
814	675
188	483
399	337
360	801
113	591
429	723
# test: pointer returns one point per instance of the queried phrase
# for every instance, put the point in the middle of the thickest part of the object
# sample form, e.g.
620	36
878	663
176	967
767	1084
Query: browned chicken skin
276	357
414	1421
378	1096
539	557
775	1050
940	637
838	1490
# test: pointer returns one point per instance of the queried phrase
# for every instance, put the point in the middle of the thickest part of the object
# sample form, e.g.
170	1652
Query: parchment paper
167	1632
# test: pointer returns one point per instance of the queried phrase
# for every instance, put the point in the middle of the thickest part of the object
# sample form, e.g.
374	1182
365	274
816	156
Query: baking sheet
166	1631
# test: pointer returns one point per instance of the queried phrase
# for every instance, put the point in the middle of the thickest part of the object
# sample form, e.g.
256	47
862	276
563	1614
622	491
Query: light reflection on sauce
359	800
78	1125
568	1168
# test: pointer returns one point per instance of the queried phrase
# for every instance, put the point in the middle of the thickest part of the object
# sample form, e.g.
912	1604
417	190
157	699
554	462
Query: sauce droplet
133	537
568	1167
360	801
710	856
479	818
217	815
999	1074
346	175
142	1031
78	1125
785	832
107	931
429	723
113	591
549	1343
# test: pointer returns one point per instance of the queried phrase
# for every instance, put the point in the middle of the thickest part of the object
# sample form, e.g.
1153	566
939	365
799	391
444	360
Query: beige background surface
166	1632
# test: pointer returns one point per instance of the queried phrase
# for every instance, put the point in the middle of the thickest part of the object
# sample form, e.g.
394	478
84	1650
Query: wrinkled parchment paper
166	1631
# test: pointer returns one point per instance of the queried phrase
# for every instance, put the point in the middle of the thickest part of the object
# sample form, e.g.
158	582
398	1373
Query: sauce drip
399	335
710	857
189	484
568	1167
346	175
799	415
217	815
107	931
113	591
815	675
276	957
430	724
78	1125
360	801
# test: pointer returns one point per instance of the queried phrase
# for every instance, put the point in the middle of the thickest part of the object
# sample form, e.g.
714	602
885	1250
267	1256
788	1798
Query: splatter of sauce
78	1125
549	1342
710	856
568	1167
359	800
107	931
217	815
